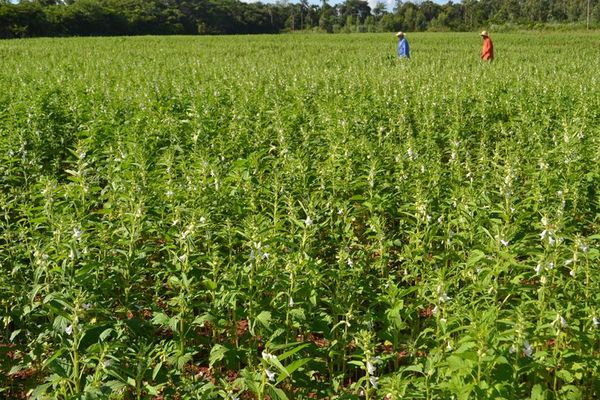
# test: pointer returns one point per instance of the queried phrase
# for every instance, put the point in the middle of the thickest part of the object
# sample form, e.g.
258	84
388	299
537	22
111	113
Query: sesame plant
300	217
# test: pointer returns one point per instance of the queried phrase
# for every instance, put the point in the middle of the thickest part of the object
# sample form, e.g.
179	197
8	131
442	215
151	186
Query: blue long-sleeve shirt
403	48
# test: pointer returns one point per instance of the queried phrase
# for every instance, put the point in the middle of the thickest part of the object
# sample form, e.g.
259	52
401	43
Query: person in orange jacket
487	52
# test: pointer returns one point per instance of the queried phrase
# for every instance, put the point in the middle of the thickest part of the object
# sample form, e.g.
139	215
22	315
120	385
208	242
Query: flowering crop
300	216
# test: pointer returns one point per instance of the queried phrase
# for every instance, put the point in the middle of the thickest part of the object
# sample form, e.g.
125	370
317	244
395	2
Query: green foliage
299	216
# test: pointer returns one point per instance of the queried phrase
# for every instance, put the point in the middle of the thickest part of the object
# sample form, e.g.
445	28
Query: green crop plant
300	217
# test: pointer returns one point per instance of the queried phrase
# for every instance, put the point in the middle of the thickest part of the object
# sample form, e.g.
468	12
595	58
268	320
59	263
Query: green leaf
217	353
160	318
203	319
183	359
156	370
414	368
465	347
104	335
565	376
458	364
475	257
264	318
15	369
276	393
292	351
152	390
114	386
14	335
357	363
91	336
54	357
209	284
537	393
290	369
40	392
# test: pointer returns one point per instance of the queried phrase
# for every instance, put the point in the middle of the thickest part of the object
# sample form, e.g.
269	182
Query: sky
372	3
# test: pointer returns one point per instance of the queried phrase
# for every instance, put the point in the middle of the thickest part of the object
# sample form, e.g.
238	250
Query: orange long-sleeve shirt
487	52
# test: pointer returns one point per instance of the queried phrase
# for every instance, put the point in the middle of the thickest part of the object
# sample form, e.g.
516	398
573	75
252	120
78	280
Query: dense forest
142	17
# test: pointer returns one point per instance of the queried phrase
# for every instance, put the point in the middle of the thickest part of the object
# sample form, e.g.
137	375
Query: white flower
504	242
169	193
544	221
551	241
77	234
182	258
308	221
87	306
443	297
349	262
202	220
583	248
527	349
374	381
410	152
538	268
550	266
448	347
562	321
69	329
268	356
187	232
340	211
81	154
543	234
270	375
371	368
572	273
265	255
435	310
595	322
291	302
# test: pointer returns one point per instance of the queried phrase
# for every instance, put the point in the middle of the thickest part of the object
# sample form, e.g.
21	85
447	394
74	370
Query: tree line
30	18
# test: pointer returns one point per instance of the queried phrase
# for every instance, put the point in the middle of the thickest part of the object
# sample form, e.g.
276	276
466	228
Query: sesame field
300	217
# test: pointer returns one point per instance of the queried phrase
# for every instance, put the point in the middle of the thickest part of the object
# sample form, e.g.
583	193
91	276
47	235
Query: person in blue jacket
403	47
